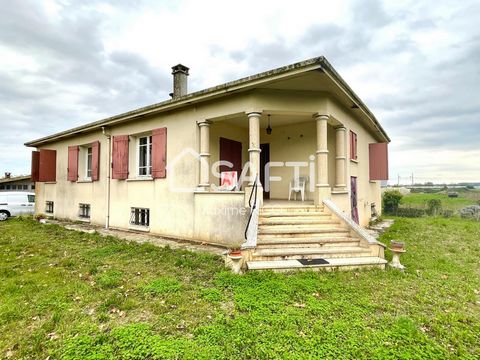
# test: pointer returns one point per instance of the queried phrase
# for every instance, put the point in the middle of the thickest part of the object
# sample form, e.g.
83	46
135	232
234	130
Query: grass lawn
72	295
465	198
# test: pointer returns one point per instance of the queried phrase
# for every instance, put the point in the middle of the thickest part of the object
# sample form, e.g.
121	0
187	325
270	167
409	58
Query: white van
16	203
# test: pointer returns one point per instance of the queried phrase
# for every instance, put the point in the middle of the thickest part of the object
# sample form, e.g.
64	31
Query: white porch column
254	155
254	145
323	187
340	158
204	154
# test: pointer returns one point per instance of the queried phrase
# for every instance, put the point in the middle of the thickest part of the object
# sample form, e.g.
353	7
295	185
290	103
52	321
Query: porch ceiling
276	119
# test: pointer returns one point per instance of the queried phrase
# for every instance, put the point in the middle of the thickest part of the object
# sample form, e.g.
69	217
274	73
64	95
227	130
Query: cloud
415	64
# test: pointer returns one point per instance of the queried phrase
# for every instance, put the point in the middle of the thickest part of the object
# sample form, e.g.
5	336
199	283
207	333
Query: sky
416	64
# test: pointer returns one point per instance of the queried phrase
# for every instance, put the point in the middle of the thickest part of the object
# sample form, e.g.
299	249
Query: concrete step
314	241
292	209
298	220
292	214
333	263
309	253
293	231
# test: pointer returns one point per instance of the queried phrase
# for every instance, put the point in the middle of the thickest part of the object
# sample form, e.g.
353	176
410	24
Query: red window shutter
378	161
35	165
356	146
120	157
159	153
95	160
353	145
72	171
47	165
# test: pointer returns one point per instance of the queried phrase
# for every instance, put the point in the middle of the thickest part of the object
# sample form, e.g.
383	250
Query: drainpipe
109	176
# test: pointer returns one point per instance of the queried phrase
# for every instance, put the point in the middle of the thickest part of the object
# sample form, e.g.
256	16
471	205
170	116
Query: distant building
16	183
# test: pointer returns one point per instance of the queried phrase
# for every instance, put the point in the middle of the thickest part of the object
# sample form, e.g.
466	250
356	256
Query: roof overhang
244	84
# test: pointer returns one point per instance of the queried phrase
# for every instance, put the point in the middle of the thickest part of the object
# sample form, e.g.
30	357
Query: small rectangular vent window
140	217
84	211
49	207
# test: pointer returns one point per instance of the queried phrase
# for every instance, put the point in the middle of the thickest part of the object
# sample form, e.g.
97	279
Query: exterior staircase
310	237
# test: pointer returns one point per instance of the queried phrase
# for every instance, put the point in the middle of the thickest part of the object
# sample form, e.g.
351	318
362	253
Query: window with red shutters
120	157
95	160
378	161
159	153
47	165
72	170
35	165
353	145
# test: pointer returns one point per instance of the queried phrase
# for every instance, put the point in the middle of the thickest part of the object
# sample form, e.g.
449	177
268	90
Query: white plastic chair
297	186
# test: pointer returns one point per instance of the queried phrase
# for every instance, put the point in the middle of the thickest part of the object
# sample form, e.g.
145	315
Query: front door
264	163
231	151
353	198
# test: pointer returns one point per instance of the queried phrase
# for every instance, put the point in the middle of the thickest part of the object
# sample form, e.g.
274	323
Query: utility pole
412	180
398	183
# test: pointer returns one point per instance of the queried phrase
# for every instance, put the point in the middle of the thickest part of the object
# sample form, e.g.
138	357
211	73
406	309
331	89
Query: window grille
49	207
140	217
84	211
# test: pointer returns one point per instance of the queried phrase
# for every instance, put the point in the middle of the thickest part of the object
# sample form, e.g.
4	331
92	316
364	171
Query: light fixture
269	129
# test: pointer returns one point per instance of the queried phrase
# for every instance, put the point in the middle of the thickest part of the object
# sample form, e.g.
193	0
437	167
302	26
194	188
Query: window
88	168
353	146
140	217
84	211
49	207
14	187
25	187
31	198
32	187
2	187
7	187
145	156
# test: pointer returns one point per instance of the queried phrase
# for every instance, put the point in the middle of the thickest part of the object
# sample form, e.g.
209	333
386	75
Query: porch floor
286	203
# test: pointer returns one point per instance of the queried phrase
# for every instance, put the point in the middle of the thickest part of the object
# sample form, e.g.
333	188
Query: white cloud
414	63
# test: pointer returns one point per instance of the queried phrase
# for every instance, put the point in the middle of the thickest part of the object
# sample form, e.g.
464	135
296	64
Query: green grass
418	200
71	295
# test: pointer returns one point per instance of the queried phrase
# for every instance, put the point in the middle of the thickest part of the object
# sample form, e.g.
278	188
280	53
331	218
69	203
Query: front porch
275	148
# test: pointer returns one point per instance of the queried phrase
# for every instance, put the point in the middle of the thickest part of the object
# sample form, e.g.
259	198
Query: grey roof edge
205	94
355	98
15	178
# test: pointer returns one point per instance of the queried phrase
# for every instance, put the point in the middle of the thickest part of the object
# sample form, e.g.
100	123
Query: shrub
447	213
433	206
391	200
410	212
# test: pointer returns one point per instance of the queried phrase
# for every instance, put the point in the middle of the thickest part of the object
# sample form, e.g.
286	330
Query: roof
14	178
317	63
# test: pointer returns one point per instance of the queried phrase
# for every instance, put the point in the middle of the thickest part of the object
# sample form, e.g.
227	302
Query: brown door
231	151
353	198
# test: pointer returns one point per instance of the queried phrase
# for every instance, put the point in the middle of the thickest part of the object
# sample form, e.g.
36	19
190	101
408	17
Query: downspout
109	175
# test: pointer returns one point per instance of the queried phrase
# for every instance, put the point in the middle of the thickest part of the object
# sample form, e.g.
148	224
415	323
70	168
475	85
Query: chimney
8	175
180	73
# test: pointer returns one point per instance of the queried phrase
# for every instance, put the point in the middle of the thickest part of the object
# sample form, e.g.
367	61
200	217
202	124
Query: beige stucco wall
368	191
182	213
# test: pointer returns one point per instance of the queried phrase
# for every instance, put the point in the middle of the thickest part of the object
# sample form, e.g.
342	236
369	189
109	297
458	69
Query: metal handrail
254	190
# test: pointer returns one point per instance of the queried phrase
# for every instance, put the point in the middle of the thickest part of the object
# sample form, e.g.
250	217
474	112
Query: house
158	168
16	183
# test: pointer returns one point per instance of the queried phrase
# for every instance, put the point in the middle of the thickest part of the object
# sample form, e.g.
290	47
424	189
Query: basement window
84	211
49	207
140	217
